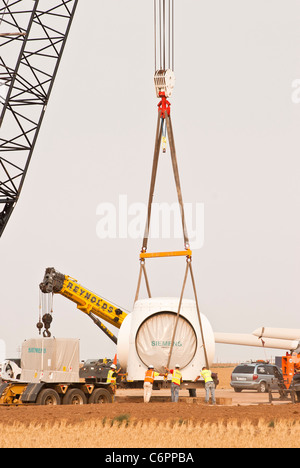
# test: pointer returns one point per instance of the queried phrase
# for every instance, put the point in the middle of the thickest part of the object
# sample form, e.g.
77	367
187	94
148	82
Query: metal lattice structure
33	34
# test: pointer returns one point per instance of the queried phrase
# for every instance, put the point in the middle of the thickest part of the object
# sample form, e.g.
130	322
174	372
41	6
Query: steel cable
164	34
173	37
155	33
2	16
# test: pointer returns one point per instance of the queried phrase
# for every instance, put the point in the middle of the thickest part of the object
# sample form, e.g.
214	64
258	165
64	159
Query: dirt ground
245	406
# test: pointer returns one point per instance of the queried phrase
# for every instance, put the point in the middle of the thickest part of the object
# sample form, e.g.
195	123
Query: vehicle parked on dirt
259	376
10	369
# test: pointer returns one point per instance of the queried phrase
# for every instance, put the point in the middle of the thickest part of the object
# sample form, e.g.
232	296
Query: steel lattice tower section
33	34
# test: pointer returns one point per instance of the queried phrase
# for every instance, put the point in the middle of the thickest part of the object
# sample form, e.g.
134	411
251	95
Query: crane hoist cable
164	56
164	80
45	314
164	35
2	15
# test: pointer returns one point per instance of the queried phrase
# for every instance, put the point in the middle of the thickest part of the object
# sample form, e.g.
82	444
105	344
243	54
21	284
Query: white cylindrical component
123	341
145	338
251	340
153	341
278	333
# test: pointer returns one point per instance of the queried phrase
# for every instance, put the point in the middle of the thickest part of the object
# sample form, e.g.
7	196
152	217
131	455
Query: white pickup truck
10	369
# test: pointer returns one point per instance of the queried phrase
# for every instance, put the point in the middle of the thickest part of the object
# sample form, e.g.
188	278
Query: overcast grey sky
237	136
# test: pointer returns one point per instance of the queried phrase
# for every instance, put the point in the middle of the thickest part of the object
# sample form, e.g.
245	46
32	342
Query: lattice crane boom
33	35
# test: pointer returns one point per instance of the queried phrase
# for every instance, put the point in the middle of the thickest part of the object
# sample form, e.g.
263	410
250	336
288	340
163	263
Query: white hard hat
177	366
113	366
151	367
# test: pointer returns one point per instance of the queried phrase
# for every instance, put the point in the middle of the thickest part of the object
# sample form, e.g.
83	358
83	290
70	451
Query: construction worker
176	382
148	382
209	385
112	377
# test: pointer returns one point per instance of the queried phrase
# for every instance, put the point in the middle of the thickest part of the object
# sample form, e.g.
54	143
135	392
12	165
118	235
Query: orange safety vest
149	376
176	377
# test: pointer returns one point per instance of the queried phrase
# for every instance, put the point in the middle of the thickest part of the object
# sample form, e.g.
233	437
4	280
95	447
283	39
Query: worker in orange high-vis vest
176	382
148	382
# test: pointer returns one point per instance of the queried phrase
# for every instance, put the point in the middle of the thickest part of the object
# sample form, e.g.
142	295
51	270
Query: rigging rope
164	52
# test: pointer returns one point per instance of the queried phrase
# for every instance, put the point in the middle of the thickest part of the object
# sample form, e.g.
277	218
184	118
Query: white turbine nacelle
259	342
145	338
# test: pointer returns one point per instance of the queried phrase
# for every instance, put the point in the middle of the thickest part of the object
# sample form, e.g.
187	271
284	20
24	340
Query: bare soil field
249	406
247	420
147	412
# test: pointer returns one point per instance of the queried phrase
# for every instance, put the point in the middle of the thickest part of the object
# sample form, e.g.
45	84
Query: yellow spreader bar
180	253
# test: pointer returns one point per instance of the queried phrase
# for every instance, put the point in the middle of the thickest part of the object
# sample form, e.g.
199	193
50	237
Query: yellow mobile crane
87	301
65	388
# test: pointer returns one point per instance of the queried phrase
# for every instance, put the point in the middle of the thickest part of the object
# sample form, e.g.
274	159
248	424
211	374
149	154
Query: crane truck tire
74	396
100	396
48	397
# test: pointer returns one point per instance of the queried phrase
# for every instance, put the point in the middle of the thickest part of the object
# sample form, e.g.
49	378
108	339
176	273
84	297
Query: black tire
100	396
9	371
74	396
48	397
263	387
238	390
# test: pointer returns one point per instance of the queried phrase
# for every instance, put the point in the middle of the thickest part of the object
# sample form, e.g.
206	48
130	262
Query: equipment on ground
290	363
96	370
33	35
144	335
50	376
259	375
287	385
10	369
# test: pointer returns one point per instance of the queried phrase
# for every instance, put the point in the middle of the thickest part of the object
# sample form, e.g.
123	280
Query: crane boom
87	301
33	36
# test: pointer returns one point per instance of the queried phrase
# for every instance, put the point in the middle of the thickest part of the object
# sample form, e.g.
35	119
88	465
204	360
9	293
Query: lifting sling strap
187	252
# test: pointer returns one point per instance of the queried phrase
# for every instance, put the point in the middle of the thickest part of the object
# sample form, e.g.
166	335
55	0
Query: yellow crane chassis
22	393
